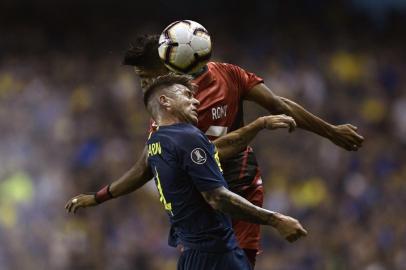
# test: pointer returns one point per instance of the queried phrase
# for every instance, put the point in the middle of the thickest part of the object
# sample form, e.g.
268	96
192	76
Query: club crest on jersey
198	156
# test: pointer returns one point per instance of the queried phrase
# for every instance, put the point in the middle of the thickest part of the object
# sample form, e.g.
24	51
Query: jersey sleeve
246	80
197	157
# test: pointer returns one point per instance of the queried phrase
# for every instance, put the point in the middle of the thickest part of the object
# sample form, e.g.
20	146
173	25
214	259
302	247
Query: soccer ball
185	46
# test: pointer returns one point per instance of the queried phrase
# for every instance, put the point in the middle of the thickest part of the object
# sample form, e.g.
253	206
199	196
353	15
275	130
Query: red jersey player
222	88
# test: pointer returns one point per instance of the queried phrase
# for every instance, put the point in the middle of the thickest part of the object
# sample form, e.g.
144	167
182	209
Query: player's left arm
132	180
345	135
236	141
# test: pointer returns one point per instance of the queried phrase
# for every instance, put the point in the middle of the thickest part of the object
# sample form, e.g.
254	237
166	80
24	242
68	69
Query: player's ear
165	101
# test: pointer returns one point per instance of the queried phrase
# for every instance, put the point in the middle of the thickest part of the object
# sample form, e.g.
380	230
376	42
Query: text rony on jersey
219	112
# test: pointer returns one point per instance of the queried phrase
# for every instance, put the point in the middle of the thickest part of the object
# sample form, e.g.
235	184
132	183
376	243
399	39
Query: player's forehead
181	89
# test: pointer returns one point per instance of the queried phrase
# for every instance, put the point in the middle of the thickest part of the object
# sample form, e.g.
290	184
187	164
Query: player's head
143	56
171	95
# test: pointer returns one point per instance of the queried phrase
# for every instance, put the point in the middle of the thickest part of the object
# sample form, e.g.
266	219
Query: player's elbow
214	198
286	105
278	106
215	204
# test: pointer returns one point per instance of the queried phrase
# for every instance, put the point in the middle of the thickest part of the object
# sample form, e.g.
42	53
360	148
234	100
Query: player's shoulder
187	136
180	133
225	69
222	66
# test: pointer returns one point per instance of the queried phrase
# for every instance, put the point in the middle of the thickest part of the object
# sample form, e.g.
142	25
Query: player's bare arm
345	136
237	207
132	180
236	141
140	173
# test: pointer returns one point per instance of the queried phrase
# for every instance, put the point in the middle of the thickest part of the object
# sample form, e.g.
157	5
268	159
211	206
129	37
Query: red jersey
221	91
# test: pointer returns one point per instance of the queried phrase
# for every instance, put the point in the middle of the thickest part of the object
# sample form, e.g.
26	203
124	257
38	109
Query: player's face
147	75
184	105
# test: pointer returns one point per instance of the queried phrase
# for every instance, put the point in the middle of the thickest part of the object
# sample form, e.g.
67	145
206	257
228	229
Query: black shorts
193	259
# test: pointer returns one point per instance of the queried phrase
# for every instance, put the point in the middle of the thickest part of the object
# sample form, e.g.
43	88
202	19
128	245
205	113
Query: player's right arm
237	207
253	88
236	141
204	171
345	135
132	180
140	173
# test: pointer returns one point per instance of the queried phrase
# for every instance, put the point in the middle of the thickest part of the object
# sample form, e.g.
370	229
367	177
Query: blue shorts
193	259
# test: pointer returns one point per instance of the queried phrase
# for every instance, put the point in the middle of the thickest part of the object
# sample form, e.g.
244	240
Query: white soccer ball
185	46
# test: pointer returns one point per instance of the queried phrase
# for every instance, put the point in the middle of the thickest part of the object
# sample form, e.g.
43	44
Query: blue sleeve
197	157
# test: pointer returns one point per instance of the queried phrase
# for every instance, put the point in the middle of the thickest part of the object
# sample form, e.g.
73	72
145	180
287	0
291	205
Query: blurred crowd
72	122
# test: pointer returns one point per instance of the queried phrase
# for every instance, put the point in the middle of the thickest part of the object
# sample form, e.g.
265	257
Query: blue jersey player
186	169
185	164
191	187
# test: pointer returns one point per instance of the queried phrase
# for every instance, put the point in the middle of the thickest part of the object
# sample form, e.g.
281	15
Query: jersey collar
204	79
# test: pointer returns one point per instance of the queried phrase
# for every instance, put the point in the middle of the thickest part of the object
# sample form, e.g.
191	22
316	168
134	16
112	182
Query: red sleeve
245	80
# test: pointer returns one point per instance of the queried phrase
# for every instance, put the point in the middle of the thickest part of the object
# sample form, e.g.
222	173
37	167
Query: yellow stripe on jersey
216	157
168	206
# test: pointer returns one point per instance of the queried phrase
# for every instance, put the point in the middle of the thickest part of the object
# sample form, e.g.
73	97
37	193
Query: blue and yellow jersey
185	163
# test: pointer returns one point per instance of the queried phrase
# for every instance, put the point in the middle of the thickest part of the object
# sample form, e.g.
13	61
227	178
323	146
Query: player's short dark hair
167	81
143	52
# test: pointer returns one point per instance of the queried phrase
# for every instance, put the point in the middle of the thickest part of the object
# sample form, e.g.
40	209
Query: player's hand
346	136
289	228
279	121
80	201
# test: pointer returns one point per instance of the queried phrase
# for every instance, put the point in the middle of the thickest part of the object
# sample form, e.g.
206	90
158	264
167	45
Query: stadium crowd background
72	120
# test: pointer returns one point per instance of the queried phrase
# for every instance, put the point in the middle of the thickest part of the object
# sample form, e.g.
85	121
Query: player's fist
289	228
346	136
80	201
279	121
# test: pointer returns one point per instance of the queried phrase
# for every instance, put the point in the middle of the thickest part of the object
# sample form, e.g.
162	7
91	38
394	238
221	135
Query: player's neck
168	119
